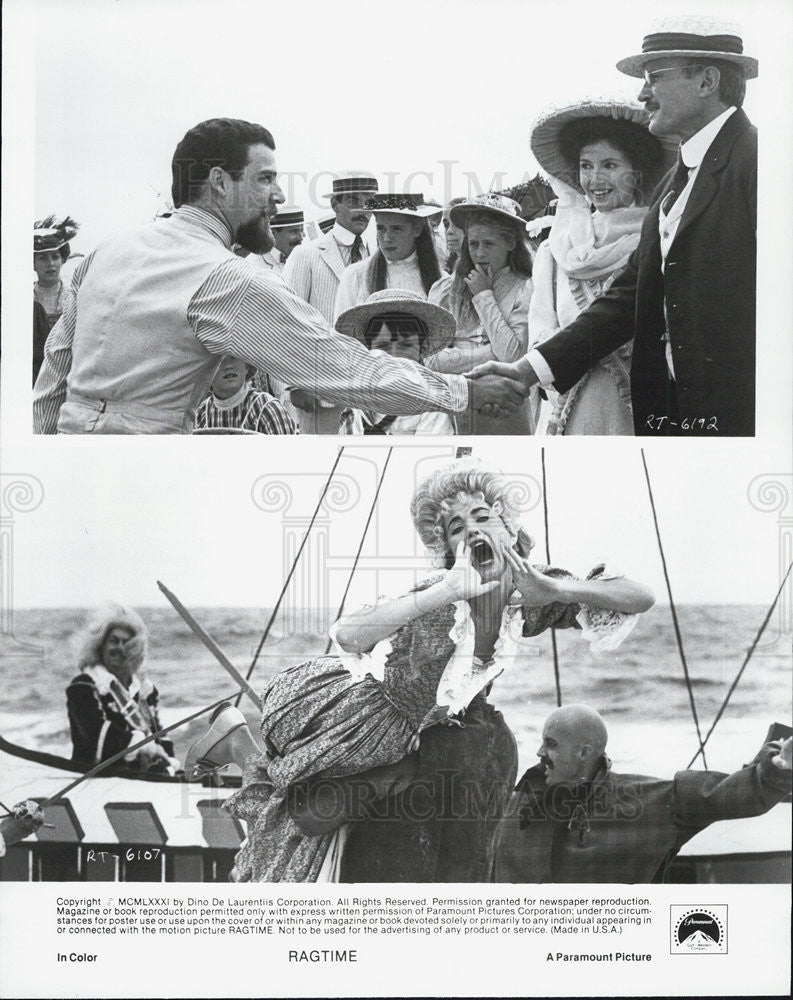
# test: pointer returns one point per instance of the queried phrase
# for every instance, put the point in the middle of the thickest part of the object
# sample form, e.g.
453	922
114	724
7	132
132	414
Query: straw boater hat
555	124
326	222
53	233
287	216
438	322
694	37
352	182
498	205
401	204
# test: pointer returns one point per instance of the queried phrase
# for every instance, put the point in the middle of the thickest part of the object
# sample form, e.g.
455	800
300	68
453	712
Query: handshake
496	389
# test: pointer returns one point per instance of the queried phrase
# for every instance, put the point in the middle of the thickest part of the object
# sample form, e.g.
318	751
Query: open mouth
482	554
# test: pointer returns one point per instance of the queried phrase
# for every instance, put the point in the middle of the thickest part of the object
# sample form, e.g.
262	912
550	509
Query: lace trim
603	629
465	674
361	664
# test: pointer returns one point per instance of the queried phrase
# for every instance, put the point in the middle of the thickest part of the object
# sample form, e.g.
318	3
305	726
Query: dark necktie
679	181
356	253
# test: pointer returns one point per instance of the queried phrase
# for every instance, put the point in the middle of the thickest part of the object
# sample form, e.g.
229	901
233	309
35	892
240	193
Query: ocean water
639	689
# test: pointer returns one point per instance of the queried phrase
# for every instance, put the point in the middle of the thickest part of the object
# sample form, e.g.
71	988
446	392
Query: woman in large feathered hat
51	238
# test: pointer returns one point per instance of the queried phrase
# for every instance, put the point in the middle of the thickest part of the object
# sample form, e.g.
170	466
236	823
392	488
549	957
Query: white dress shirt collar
342	235
694	149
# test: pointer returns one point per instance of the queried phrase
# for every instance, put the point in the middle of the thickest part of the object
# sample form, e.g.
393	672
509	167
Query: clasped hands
497	388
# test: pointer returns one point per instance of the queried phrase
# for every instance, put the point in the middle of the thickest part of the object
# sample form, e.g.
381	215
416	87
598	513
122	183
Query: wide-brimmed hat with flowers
498	205
401	204
554	132
695	37
438	322
53	233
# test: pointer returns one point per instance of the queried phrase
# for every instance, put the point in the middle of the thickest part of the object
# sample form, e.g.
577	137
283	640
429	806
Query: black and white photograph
484	704
589	248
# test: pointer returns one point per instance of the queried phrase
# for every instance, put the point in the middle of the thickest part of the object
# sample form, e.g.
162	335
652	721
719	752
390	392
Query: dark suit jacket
709	285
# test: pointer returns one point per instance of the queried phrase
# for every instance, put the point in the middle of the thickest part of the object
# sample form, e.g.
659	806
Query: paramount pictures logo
698	930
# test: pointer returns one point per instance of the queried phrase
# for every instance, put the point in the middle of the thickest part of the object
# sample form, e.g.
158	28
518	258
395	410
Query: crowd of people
636	315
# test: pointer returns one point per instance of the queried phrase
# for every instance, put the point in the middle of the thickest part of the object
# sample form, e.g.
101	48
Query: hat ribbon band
671	41
356	184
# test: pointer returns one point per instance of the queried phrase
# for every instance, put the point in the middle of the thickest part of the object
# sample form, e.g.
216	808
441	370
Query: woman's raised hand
536	588
463	580
479	280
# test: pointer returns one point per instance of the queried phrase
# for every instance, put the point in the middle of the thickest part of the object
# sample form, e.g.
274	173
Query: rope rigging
678	636
361	543
290	574
557	678
745	663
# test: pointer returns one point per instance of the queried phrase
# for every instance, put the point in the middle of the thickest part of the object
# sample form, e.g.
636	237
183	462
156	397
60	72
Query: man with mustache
157	306
688	293
314	271
572	819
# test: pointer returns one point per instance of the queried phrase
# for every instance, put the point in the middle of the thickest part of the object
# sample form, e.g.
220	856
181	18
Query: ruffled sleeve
415	635
370	662
603	628
556	615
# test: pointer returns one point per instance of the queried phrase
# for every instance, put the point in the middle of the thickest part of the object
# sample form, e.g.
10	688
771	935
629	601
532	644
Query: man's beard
256	235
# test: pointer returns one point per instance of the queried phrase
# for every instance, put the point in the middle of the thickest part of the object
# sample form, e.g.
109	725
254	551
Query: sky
219	526
431	95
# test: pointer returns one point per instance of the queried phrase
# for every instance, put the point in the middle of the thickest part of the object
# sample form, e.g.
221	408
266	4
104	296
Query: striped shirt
241	310
256	411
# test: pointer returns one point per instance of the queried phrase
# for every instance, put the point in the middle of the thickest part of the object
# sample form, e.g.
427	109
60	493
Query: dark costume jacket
708	287
99	728
623	827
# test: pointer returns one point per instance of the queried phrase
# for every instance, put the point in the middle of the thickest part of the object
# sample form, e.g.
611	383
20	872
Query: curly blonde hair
469	478
104	619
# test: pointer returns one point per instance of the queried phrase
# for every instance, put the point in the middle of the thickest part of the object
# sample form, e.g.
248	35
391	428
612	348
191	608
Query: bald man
572	819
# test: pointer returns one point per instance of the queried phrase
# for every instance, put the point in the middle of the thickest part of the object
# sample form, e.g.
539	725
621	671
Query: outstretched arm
703	797
362	630
620	594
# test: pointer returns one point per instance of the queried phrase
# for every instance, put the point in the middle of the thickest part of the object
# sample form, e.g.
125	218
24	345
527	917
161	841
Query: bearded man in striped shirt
155	307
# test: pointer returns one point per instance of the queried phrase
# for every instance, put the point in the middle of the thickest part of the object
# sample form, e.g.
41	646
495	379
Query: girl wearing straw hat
405	257
488	294
404	325
603	164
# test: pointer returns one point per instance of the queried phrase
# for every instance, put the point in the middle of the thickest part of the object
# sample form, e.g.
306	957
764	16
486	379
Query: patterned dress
421	688
249	410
